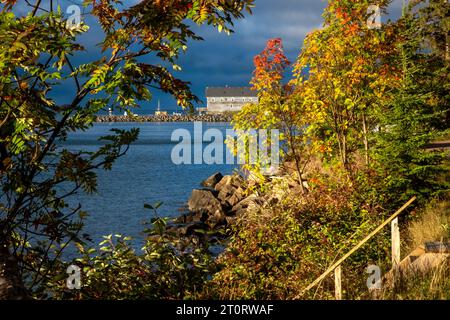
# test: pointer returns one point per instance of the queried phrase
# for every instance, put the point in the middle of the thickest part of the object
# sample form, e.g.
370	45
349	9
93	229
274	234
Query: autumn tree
381	93
279	106
345	70
36	58
270	66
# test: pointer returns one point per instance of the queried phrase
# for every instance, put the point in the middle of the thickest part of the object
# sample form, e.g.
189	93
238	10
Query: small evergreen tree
414	116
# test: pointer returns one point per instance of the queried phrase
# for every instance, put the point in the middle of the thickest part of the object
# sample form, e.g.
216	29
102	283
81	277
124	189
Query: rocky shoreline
222	200
216	206
167	118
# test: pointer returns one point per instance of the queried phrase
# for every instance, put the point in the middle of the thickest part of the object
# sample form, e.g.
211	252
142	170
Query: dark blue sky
227	60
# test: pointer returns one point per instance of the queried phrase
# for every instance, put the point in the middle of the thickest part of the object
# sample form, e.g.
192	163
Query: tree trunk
300	179
366	142
341	155
344	150
296	159
11	285
447	49
297	166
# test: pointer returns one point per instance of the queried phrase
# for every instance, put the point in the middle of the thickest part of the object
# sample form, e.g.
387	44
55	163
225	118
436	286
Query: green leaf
158	204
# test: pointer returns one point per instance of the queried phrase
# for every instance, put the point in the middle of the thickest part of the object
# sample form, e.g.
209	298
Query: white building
222	99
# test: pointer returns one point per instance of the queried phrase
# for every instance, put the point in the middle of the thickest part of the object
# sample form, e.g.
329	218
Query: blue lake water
146	174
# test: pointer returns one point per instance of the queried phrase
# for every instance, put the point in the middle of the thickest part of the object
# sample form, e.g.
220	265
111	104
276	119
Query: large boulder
234	180
226	192
237	196
250	202
204	202
217	219
230	190
199	216
226	180
212	181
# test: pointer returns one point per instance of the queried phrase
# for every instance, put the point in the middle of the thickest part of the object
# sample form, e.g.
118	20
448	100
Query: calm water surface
145	174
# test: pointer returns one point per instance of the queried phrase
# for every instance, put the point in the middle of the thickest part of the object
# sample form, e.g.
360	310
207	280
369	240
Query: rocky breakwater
225	117
216	206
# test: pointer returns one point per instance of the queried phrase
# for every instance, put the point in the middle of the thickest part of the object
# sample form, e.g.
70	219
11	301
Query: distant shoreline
226	117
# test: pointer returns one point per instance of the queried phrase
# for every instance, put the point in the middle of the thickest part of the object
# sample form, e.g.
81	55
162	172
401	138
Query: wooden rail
337	264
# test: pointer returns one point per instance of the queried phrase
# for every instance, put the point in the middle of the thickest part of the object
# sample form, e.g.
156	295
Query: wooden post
395	242
355	248
338	283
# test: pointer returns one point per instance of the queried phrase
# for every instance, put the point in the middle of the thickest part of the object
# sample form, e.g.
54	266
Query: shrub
168	268
277	250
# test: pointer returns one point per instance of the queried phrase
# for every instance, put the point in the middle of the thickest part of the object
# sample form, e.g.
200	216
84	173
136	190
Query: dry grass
434	225
433	285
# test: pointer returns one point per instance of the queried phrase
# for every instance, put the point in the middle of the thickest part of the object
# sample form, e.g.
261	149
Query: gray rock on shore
205	202
217	206
230	190
212	181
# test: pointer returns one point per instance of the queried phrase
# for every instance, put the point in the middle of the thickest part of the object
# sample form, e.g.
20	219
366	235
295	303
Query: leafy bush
277	250
169	268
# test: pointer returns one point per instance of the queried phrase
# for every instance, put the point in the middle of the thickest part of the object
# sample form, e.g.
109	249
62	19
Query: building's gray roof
230	92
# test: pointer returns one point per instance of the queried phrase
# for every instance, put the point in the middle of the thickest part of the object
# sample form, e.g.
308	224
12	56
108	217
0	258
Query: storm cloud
228	60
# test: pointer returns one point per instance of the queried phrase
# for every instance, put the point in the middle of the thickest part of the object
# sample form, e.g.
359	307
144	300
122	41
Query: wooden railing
336	267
